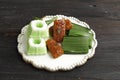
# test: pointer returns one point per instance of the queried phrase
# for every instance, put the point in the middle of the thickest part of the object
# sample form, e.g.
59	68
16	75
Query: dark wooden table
102	15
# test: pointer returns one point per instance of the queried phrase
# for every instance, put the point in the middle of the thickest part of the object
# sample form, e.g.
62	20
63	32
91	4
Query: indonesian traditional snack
63	37
56	42
59	30
36	46
37	31
38	28
54	48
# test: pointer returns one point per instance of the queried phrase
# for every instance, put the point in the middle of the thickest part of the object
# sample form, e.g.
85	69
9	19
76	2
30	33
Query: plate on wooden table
64	62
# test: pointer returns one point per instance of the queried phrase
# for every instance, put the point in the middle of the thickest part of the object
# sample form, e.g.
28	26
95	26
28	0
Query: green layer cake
37	33
36	46
38	28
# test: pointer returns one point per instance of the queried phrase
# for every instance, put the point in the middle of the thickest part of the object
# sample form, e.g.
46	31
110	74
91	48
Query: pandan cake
37	32
36	46
38	28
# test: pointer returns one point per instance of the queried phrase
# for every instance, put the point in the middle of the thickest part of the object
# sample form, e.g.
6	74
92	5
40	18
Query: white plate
64	62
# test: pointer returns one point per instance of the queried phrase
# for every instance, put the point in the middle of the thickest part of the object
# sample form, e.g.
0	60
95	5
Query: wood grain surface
102	15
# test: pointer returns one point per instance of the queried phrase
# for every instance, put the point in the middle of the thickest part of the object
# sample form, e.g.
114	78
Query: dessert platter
56	42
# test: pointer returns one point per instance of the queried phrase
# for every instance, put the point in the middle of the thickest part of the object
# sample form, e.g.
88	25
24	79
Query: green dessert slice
79	45
38	28
36	46
78	30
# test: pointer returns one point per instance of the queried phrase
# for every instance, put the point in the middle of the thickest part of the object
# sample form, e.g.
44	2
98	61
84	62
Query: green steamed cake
38	28
36	34
36	46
